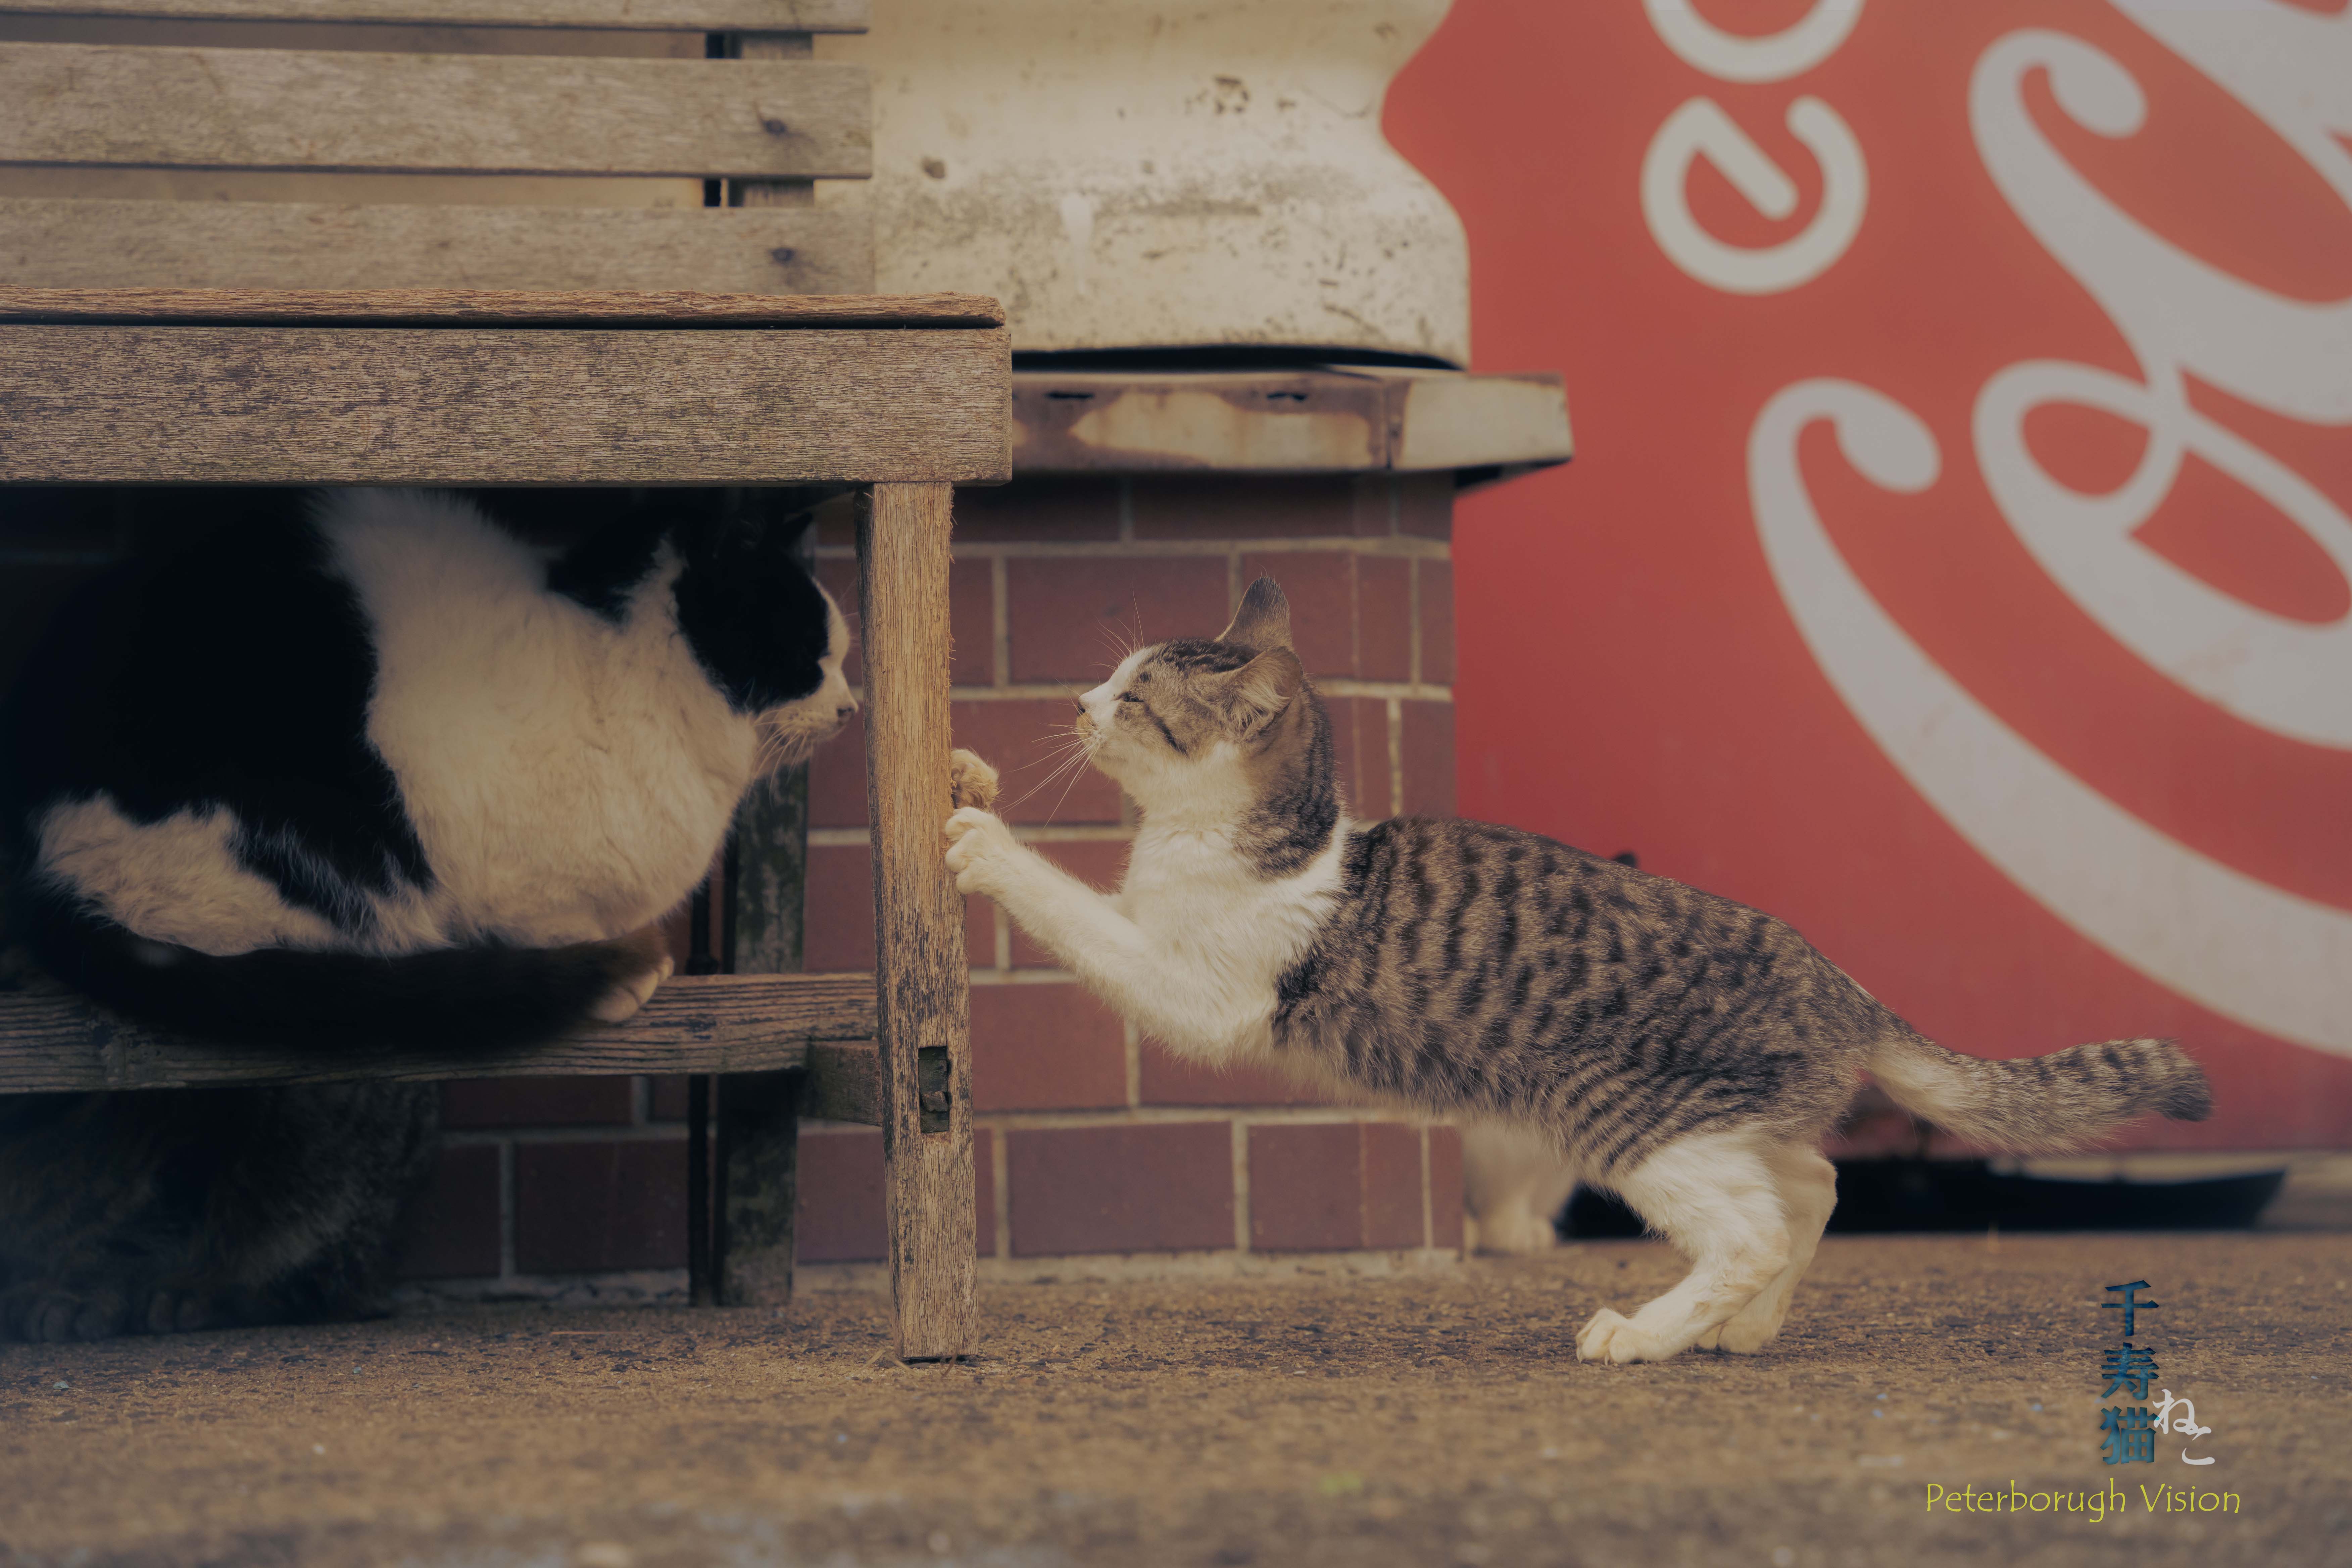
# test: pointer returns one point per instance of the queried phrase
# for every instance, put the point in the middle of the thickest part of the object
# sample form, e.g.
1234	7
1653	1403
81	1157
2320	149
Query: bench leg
756	1177
922	980
756	1185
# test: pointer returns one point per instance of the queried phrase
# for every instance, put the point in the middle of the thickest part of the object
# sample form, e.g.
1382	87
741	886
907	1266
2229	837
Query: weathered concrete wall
1129	173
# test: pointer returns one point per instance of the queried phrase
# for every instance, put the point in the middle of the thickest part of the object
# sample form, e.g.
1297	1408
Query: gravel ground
1431	1419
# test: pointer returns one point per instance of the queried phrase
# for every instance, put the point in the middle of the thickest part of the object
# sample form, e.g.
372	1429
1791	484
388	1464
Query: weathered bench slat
650	15
719	1022
485	308
53	243
149	404
514	114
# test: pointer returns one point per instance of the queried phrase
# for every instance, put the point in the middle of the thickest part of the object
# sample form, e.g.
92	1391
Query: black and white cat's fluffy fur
365	761
353	767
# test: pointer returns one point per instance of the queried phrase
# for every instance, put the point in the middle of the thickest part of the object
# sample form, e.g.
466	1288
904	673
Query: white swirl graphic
2263	956
1700	126
2176	312
2288	677
1729	57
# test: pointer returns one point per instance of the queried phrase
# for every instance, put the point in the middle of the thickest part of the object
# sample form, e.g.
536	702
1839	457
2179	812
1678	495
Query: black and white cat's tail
449	998
2041	1104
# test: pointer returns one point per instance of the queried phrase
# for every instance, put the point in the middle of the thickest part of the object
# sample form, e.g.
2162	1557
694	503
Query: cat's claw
971	782
978	844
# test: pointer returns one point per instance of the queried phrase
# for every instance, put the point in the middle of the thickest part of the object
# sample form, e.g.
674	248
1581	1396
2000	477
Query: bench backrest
500	114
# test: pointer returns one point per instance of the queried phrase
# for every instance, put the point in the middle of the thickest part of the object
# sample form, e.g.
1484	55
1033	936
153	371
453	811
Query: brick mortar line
1000	1196
1149	1116
1097	833
1396	753
1241	1185
1187	1115
1327	685
1428	1204
1000	631
1100	833
1403	546
1412	621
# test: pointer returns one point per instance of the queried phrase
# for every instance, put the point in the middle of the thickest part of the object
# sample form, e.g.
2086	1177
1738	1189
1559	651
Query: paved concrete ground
1439	1419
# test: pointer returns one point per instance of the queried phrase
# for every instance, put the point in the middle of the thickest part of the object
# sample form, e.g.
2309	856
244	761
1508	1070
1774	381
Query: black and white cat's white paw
979	848
636	985
631	993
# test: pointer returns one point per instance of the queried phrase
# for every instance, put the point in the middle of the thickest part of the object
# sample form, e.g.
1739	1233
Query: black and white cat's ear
1258	693
1263	620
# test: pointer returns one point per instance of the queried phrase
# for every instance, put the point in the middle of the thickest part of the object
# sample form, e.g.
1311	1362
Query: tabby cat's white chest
1234	932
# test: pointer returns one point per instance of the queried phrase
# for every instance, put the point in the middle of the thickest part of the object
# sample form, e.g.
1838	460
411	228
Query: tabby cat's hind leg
1714	1196
1514	1181
1808	1193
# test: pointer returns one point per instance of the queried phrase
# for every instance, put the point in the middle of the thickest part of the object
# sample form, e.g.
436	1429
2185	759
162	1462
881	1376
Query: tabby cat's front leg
1171	995
1077	924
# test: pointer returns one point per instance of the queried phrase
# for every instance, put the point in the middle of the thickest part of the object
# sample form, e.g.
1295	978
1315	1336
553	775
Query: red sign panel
1957	559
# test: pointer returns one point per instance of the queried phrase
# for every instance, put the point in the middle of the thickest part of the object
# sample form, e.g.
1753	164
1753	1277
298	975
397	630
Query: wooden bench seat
149	341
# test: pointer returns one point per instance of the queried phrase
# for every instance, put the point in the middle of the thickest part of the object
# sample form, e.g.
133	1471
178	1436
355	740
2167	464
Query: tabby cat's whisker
1069	762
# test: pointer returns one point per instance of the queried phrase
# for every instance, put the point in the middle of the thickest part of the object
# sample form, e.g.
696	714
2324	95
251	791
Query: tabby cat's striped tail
2041	1103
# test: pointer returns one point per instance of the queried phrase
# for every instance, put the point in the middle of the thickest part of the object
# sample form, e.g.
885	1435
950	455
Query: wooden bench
357	342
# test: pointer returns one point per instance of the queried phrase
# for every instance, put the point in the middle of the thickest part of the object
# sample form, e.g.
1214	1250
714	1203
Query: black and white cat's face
791	731
766	635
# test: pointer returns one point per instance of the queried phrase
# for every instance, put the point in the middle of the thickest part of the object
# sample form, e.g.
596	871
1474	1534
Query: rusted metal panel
1306	421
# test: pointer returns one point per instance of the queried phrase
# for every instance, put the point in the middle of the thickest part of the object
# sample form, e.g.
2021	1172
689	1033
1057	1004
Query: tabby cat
352	768
1680	1049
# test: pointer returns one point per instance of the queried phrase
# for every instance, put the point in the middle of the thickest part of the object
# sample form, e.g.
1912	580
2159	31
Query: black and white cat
366	760
355	767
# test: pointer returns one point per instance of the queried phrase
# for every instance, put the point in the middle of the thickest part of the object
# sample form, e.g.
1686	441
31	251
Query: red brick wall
1092	1141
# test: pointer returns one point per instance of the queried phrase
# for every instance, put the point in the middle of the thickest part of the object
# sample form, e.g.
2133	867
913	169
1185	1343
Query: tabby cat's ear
1263	620
1255	695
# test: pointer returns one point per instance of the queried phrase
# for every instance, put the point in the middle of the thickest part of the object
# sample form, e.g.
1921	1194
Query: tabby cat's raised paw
971	782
